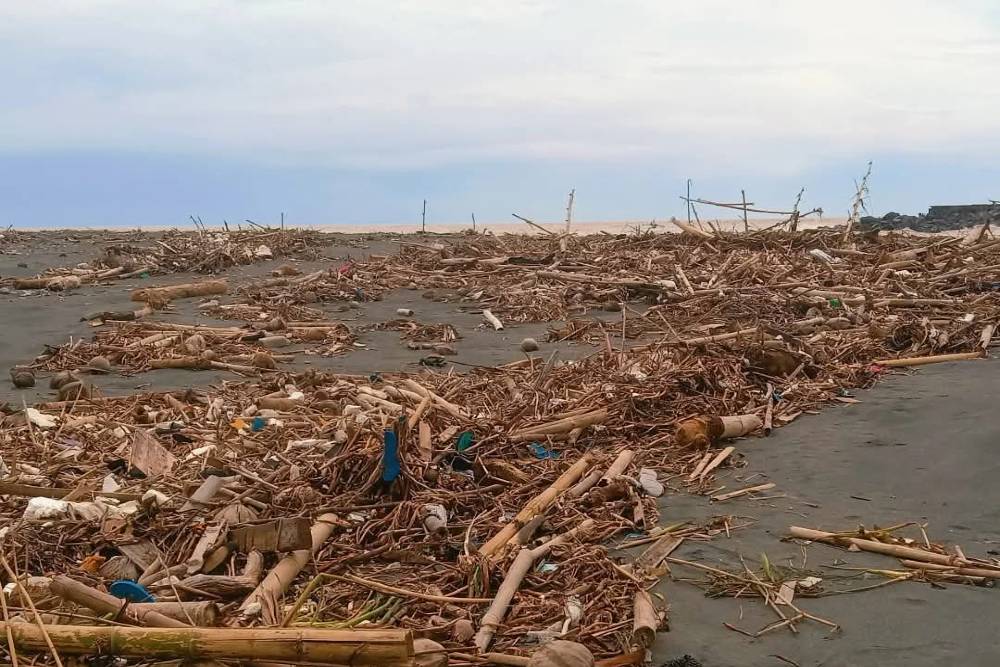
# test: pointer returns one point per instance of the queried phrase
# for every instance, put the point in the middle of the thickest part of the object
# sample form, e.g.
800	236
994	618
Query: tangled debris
483	511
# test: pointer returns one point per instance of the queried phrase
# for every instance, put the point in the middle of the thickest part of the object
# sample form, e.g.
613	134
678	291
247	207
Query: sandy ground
919	447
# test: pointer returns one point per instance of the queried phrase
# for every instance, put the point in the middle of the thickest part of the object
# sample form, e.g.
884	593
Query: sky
344	112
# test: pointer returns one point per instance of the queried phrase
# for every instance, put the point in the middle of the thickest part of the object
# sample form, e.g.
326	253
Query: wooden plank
149	456
278	535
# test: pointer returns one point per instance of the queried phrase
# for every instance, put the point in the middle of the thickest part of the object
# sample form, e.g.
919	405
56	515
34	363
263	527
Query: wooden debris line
417	494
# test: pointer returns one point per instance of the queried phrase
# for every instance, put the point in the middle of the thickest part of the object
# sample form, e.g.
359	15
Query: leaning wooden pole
393	648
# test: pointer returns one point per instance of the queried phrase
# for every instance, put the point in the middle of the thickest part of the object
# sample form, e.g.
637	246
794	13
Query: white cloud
440	81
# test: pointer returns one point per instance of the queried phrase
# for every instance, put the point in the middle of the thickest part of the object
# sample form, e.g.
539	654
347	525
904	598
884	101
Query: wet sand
919	447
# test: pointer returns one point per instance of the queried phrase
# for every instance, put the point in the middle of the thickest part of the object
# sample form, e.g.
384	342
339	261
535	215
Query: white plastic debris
310	443
650	485
39	419
154	498
263	252
435	518
199	452
110	484
818	254
51	508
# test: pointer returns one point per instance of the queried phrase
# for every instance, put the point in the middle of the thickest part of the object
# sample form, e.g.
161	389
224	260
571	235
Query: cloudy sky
130	113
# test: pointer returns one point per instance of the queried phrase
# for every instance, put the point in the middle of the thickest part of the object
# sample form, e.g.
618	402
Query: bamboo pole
616	468
644	620
181	291
278	579
493	320
536	505
923	361
896	550
102	603
560	426
742	492
423	392
311	645
736	426
512	581
967	571
691	229
204	613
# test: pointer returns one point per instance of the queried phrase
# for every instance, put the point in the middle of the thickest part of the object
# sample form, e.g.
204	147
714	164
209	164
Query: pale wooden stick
716	462
896	550
493	320
536	505
743	492
512	581
922	361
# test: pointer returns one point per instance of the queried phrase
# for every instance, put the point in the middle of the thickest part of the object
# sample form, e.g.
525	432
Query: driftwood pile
137	347
179	252
491	511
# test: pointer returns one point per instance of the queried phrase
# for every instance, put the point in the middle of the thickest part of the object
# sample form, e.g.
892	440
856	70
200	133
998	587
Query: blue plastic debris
542	452
390	457
126	589
258	424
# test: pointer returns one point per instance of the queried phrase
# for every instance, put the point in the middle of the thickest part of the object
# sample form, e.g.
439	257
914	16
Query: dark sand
919	447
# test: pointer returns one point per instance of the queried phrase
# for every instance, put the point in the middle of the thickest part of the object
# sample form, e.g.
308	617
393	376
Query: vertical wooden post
746	223
689	200
473	222
423	219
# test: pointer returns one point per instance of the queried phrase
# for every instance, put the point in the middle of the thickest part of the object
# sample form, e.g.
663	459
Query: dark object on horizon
937	218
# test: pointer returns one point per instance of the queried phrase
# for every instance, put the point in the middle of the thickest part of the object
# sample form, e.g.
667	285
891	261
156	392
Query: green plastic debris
464	441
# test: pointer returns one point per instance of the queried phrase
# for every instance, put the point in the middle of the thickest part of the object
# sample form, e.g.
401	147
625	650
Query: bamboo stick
743	492
736	426
560	426
896	550
423	392
311	645
181	291
923	361
935	567
512	581
493	320
278	579
102	603
644	620
204	613
536	505
691	229
616	468
716	462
